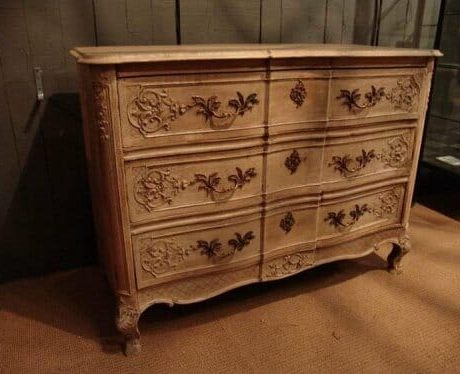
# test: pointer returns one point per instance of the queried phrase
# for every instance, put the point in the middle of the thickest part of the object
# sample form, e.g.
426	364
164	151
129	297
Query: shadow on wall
48	224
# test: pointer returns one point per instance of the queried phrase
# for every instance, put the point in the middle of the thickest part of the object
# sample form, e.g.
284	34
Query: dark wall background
45	210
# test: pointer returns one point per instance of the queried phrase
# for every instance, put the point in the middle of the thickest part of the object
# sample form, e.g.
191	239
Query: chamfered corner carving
152	110
404	96
289	264
387	206
298	94
287	222
396	155
155	187
102	108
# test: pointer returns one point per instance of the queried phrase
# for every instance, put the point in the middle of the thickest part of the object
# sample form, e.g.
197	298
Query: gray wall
45	213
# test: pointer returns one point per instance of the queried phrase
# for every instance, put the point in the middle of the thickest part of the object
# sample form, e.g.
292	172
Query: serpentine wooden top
131	54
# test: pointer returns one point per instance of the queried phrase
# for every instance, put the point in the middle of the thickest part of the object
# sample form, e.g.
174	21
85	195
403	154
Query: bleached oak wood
247	164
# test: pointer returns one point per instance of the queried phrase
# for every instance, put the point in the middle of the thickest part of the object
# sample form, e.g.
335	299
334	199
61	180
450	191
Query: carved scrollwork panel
155	187
387	206
153	110
289	264
396	155
404	95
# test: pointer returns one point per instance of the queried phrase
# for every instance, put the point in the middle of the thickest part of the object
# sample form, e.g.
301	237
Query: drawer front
351	213
164	256
293	165
298	97
158	189
187	109
290	227
374	93
366	155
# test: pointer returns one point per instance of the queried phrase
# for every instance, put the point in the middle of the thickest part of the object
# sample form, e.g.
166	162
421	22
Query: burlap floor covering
346	317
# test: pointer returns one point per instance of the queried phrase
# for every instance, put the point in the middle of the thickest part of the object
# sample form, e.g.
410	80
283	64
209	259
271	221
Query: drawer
365	155
351	212
291	224
193	184
193	108
293	164
373	93
169	254
298	100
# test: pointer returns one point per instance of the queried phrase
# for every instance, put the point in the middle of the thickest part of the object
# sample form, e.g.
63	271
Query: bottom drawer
356	211
169	254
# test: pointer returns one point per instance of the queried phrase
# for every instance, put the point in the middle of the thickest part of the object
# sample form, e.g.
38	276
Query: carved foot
399	250
126	322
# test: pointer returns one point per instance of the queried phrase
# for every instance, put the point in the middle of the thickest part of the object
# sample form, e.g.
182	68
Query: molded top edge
133	54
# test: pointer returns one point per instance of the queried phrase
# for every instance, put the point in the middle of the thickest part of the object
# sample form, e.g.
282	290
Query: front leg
126	322
400	249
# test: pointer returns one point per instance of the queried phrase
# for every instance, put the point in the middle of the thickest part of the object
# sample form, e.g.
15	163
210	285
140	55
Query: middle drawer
199	184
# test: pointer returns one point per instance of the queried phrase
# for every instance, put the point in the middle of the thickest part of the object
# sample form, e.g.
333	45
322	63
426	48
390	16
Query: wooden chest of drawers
213	167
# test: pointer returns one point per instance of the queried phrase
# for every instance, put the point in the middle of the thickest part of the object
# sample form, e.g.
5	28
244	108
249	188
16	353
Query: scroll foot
126	322
400	249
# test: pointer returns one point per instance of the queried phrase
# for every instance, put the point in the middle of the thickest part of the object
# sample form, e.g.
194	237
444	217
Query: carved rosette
289	264
397	154
287	222
298	94
102	111
157	187
152	110
389	203
404	96
161	256
293	161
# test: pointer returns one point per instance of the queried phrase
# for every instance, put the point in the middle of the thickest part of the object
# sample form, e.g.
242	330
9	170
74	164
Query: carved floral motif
287	222
161	256
101	104
298	93
293	161
404	96
387	206
158	257
289	264
154	188
157	187
151	110
396	155
127	317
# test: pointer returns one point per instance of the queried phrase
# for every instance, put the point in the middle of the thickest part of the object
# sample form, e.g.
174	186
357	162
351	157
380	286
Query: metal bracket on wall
38	72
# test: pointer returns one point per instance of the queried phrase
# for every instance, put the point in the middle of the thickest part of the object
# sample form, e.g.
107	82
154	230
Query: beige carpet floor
346	317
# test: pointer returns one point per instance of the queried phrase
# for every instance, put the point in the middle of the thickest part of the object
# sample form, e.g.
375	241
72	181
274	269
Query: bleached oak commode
212	167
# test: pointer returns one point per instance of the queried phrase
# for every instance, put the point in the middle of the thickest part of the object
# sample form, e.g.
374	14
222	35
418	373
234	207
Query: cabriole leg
400	249
126	322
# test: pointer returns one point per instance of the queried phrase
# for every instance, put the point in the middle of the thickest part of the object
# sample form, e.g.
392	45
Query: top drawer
368	93
167	110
